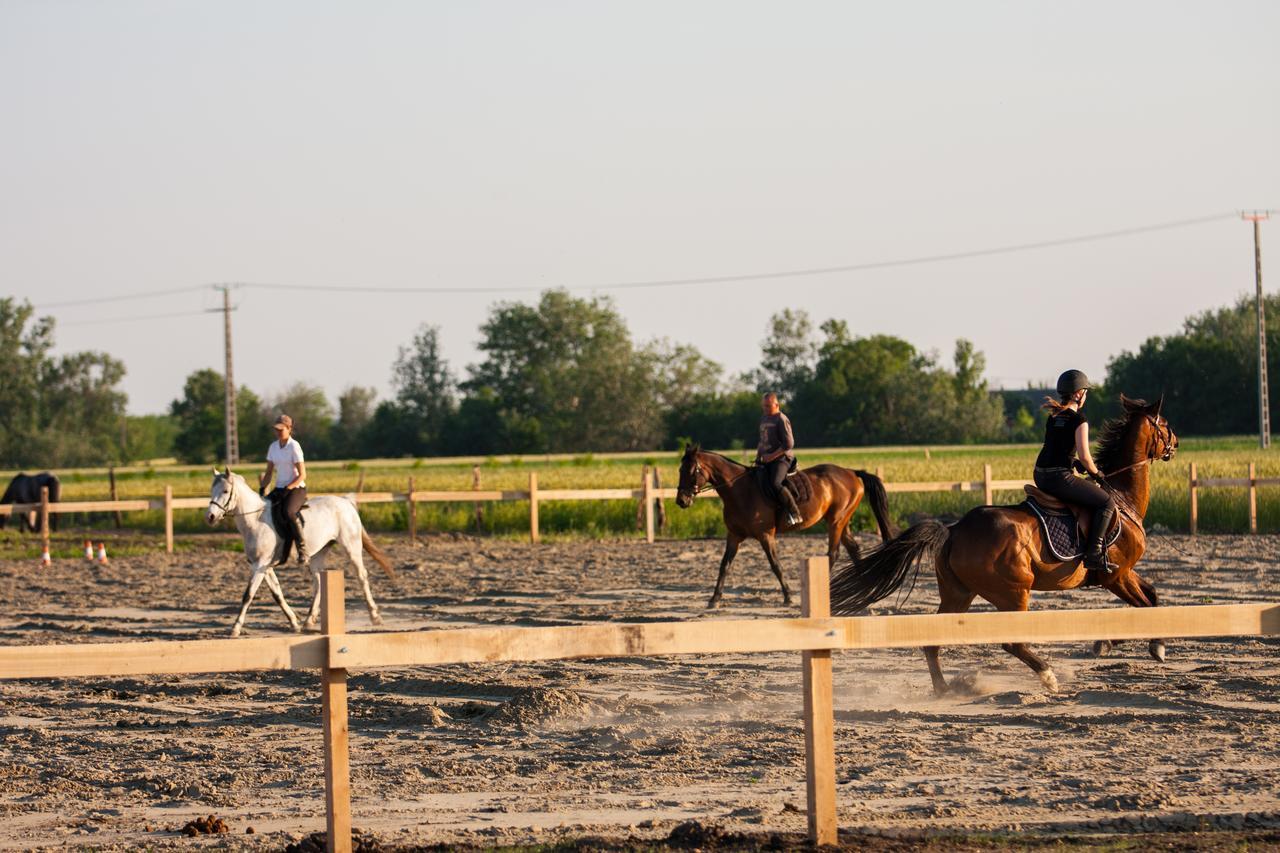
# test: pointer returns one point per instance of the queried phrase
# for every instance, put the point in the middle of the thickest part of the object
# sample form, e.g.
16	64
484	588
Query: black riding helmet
1071	382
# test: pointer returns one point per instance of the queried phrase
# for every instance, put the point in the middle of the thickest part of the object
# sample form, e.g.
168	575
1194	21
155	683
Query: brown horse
750	514
1000	553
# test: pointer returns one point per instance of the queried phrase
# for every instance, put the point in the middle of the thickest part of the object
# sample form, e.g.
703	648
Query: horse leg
850	542
255	581
1018	599
357	557
313	615
273	584
731	544
955	598
770	545
1134	591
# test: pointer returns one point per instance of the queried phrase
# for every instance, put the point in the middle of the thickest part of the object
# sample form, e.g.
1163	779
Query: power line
150	294
809	271
109	320
671	282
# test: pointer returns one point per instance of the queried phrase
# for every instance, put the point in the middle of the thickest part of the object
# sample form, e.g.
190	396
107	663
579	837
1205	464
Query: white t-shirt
286	460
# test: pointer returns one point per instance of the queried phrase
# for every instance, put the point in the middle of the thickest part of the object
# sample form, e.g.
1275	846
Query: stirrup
1098	561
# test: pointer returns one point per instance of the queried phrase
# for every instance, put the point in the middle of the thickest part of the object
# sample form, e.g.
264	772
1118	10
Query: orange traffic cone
45	559
88	550
102	553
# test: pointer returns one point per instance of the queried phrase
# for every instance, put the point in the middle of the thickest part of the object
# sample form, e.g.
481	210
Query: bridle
231	497
1163	450
702	481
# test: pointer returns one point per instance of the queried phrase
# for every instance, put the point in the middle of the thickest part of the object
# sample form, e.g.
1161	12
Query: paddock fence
650	511
334	653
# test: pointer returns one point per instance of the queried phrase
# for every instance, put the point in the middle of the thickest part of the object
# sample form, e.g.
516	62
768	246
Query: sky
156	147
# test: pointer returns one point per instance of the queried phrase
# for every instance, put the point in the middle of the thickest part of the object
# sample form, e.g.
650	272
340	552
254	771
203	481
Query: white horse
329	519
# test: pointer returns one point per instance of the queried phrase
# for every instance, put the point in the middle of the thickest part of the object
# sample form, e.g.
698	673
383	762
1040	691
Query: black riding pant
1066	486
778	470
291	501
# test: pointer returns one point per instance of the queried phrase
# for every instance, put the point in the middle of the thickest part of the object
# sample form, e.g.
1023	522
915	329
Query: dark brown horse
750	514
999	552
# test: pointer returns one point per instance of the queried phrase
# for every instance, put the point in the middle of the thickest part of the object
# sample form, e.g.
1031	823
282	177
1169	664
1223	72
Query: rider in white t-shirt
284	457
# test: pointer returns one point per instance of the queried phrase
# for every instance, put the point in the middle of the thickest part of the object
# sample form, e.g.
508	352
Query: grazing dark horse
750	514
25	489
1000	553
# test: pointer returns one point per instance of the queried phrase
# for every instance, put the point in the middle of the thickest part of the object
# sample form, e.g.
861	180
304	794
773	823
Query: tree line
566	375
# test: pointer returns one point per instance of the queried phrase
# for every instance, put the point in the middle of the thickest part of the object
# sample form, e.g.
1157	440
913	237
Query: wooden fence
816	635
650	495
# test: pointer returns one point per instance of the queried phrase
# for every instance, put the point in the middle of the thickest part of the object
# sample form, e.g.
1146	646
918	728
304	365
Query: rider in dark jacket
774	451
1066	446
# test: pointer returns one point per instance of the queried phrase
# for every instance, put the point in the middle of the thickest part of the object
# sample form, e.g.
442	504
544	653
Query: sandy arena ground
622	747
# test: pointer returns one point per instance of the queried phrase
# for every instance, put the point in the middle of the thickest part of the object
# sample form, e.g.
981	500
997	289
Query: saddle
1066	526
797	482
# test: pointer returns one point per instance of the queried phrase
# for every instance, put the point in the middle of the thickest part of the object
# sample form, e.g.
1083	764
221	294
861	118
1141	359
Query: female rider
1066	435
284	456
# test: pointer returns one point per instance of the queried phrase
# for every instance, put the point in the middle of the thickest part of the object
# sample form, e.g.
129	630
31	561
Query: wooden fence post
1253	498
644	478
333	684
1193	485
168	519
987	497
475	487
648	505
533	506
360	483
44	516
413	514
660	508
819	713
111	476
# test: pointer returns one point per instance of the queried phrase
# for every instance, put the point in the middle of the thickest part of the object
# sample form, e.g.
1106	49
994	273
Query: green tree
787	354
54	411
149	437
200	412
355	411
569	366
312	417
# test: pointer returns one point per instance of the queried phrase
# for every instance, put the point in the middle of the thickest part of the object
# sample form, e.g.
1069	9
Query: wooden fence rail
649	497
816	635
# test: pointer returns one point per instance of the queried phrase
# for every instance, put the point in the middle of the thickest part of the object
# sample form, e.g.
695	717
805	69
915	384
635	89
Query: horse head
222	496
693	477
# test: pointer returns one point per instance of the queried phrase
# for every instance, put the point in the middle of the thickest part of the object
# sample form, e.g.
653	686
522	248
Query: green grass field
1221	510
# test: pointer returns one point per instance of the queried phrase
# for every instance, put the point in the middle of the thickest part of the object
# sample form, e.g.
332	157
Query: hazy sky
161	145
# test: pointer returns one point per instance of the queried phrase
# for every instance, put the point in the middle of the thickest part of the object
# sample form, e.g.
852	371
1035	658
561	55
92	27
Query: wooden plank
163	657
1193	485
376	497
590	494
956	486
468	497
190	503
724	636
1009	485
533	506
168	519
333	711
1224	482
819	710
83	506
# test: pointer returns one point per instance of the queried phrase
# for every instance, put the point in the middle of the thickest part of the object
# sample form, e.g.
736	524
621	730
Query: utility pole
232	428
1264	402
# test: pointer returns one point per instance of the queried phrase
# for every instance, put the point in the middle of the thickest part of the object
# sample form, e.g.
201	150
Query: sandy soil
621	747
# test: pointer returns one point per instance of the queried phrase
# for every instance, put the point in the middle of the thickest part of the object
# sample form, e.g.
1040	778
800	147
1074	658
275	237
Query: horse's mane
1110	455
697	448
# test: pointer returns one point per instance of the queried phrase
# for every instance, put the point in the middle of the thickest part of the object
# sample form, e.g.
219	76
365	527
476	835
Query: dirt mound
542	706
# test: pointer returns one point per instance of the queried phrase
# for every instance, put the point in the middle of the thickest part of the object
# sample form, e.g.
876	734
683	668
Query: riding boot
303	556
1095	555
789	502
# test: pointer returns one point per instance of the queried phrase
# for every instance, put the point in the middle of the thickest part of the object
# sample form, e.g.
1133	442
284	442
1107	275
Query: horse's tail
879	500
376	553
862	583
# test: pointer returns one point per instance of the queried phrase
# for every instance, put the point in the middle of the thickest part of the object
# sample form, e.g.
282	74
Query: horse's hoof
1101	648
1049	680
297	627
235	632
940	690
1156	648
376	619
713	604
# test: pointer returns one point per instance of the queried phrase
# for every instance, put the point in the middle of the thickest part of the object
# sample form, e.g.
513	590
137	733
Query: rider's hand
1078	467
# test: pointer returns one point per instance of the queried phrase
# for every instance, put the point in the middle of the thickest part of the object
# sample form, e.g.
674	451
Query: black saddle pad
1062	532
800	486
